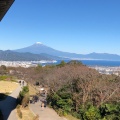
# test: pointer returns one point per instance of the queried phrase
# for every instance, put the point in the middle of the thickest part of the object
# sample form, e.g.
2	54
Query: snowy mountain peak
38	43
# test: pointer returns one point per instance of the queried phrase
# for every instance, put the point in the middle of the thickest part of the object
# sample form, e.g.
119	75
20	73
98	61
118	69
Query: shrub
25	101
62	64
92	114
23	98
3	77
110	111
77	115
19	112
18	106
60	112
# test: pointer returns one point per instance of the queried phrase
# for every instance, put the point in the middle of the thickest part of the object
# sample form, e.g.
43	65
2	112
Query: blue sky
77	26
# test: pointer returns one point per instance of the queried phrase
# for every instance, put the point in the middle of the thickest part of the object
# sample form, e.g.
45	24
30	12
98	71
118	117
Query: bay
92	63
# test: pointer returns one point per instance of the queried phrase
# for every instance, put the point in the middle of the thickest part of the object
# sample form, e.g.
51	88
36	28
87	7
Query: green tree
62	64
92	113
23	98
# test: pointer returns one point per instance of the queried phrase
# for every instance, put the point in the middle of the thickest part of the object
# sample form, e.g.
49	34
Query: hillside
15	56
78	90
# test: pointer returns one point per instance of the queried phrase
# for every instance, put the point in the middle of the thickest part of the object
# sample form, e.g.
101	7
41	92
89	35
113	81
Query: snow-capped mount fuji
39	48
38	43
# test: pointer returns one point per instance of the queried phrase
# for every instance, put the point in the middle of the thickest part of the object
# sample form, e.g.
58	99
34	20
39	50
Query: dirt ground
7	87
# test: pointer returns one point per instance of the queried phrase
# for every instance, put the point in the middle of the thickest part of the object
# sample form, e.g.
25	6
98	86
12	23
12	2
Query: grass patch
70	117
7	86
32	90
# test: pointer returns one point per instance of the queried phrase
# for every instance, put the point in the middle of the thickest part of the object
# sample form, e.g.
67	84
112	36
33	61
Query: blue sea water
97	63
106	63
101	63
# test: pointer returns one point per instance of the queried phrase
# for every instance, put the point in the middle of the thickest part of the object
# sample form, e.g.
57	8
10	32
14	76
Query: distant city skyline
76	26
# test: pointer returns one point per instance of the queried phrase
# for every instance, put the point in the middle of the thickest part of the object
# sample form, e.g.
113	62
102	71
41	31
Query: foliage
70	117
3	77
62	64
110	111
3	67
92	114
19	112
7	78
38	68
78	90
23	98
3	70
75	62
18	106
61	101
25	90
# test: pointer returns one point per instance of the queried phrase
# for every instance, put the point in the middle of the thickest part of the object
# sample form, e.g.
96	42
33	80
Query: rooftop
4	7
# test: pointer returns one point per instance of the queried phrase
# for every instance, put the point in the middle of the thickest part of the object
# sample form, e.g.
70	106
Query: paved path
45	113
9	104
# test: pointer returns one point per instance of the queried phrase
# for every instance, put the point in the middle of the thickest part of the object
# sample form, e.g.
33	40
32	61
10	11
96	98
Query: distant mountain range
38	51
39	48
16	56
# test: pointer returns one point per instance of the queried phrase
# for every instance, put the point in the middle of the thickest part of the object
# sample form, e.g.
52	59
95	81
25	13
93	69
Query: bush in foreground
23	98
19	111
